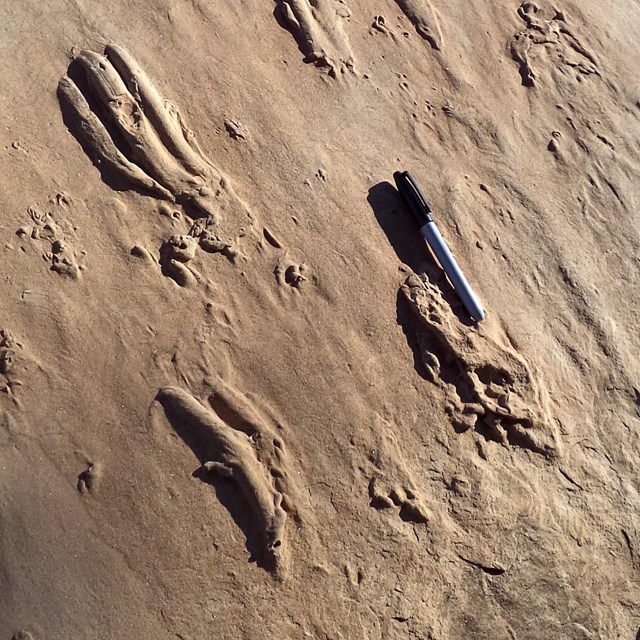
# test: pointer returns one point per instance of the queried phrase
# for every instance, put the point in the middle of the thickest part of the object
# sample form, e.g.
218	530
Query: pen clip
417	193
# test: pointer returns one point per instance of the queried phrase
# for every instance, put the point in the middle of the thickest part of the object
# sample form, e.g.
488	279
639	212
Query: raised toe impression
237	444
136	136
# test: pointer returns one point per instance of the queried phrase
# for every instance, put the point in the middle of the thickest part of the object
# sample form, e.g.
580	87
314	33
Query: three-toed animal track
135	135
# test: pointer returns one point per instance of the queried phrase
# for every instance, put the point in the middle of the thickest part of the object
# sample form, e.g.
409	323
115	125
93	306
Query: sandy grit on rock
238	396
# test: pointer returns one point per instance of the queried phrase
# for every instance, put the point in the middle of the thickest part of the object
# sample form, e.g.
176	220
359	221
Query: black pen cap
413	197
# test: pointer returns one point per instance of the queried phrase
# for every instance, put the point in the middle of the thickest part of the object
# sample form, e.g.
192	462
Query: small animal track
489	387
554	36
379	25
137	137
424	19
317	27
384	496
89	479
554	142
234	440
291	275
9	362
391	485
54	229
272	239
237	130
174	255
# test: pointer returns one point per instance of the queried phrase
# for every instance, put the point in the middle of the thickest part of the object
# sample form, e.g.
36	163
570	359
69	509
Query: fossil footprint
134	135
234	441
489	386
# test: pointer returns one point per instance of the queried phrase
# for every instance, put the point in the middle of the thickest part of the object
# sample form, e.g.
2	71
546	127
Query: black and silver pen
422	213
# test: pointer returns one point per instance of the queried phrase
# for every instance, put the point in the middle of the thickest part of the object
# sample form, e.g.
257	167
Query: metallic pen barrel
437	243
